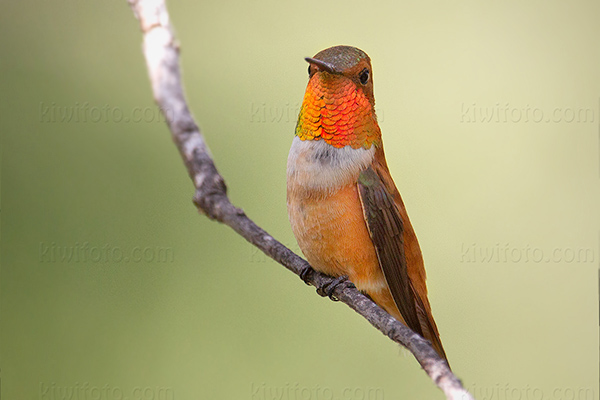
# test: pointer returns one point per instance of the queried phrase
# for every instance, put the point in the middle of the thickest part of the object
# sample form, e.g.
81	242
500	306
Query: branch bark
162	58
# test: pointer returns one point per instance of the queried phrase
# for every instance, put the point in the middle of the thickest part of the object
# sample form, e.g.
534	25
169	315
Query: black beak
324	66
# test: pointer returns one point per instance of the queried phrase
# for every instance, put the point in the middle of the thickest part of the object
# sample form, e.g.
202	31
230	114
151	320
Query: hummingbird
344	208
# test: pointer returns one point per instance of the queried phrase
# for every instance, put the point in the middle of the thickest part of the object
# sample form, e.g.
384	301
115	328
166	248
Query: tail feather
427	325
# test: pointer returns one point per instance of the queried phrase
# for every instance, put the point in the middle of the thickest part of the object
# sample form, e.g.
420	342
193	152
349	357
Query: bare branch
162	57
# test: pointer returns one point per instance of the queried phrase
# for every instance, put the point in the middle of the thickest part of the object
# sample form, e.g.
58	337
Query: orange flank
329	242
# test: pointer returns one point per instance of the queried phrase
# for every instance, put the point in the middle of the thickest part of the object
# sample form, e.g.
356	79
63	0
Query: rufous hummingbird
344	208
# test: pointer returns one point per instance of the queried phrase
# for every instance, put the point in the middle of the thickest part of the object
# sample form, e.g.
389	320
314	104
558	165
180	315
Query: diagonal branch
162	57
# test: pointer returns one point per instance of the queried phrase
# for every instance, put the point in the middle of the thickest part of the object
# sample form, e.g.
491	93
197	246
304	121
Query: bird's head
338	105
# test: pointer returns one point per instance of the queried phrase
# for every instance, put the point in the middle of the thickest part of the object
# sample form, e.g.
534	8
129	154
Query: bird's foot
328	289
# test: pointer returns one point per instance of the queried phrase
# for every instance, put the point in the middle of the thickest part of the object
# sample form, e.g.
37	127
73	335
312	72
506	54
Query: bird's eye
308	69
364	76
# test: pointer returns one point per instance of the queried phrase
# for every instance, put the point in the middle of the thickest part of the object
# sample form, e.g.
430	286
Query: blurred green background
112	286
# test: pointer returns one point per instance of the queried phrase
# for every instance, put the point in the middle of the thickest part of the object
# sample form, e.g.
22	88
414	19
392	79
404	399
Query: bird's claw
304	274
328	289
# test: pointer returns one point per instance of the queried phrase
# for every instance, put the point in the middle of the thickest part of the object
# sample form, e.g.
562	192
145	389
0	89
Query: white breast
315	165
